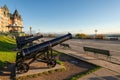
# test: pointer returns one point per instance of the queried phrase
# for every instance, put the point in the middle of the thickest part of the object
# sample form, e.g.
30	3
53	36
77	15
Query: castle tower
10	22
0	19
15	16
4	16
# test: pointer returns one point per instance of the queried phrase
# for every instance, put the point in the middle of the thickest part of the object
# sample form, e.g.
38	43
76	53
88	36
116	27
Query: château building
10	22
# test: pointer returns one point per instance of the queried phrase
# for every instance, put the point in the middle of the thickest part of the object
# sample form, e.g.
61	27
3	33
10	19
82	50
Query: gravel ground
73	67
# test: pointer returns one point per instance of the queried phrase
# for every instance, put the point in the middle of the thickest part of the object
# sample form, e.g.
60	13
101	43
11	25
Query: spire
5	8
16	13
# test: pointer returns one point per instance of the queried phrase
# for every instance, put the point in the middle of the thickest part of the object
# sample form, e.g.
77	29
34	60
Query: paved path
109	71
112	45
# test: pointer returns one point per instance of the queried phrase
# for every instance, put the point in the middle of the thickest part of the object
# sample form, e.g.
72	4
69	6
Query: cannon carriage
40	52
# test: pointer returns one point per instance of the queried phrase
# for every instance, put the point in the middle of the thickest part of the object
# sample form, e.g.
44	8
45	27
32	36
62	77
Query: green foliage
51	35
60	62
46	72
82	35
7	45
77	36
61	69
51	71
7	56
39	74
100	36
55	53
2	64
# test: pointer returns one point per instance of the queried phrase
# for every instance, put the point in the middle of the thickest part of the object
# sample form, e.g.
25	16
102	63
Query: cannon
22	38
22	41
40	52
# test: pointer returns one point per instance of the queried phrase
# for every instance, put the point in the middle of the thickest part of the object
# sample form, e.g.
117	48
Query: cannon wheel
51	63
22	67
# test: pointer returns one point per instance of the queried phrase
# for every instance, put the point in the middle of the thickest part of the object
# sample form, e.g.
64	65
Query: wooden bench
98	51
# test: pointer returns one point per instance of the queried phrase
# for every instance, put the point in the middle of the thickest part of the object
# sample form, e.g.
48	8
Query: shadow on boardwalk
8	71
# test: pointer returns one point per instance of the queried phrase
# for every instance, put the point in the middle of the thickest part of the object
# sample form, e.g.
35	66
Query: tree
51	35
100	36
77	35
82	35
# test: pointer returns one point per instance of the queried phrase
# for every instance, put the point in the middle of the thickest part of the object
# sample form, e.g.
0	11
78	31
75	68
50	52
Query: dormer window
4	12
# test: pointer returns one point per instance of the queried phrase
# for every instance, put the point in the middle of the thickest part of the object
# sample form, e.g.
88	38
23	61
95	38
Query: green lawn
7	45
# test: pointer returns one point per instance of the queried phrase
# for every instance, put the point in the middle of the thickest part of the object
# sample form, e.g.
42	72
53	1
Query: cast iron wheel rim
51	63
22	67
19	67
26	67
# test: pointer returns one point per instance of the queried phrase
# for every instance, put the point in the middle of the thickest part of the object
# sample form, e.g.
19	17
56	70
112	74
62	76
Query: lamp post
96	33
30	30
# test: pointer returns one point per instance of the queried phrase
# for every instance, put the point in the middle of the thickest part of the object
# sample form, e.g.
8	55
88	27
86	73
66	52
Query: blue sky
83	16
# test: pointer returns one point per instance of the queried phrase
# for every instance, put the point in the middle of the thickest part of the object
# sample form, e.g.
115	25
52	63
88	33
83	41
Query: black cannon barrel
45	45
22	38
22	43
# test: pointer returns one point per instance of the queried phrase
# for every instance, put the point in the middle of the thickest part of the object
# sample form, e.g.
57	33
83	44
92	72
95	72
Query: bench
65	45
97	51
